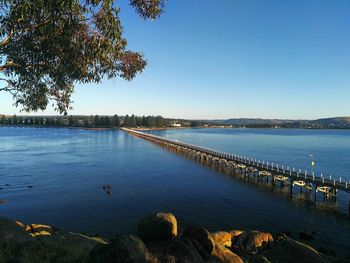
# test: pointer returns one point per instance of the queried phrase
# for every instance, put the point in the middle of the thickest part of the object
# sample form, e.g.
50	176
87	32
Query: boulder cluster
159	241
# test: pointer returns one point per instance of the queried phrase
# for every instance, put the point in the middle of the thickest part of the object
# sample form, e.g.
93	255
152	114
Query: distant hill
251	121
336	122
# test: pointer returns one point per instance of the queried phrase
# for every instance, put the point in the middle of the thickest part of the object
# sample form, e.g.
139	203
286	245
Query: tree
144	121
89	121
20	120
14	120
160	121
3	119
195	124
73	121
97	121
126	122
115	122
132	121
150	122
47	46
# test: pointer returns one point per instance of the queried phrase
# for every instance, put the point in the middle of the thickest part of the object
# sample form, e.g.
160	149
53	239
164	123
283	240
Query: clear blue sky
231	58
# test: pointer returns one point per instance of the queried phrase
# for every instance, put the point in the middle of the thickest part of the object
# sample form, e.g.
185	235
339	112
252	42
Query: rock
280	236
2	201
287	233
259	259
71	239
305	235
235	234
222	237
157	227
184	251
11	231
291	251
123	248
107	187
201	235
169	259
253	241
62	247
224	255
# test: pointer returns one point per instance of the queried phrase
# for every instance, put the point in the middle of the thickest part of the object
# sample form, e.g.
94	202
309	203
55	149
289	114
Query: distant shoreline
163	128
166	128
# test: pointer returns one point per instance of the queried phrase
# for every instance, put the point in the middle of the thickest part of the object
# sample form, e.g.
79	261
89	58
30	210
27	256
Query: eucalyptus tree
115	122
48	46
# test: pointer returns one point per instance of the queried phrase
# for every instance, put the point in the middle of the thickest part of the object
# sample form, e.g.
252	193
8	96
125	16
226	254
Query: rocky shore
158	240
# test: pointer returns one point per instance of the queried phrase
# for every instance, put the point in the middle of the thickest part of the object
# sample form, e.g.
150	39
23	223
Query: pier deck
264	169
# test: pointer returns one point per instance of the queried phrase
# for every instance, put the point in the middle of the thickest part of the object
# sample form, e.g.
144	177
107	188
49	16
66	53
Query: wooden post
315	193
291	187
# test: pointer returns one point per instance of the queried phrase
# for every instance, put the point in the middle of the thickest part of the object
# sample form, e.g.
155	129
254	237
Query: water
68	167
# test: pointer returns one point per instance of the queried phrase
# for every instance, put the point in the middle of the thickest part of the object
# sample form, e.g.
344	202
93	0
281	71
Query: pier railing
261	165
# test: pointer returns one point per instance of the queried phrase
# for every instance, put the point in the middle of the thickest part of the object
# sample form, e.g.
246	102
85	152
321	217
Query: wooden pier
253	167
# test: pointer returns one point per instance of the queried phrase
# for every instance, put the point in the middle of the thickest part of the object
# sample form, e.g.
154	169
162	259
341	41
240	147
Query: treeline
149	121
90	121
65	121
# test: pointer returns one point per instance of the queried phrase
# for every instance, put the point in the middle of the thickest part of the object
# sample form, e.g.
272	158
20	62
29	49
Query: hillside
335	122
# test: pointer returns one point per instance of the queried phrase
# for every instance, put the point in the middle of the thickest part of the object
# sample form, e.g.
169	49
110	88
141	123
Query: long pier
257	168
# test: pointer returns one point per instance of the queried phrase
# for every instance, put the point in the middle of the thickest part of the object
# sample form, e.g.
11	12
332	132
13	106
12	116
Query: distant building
174	124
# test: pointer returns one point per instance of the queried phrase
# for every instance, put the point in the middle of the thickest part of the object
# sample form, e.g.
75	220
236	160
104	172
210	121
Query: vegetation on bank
95	121
133	121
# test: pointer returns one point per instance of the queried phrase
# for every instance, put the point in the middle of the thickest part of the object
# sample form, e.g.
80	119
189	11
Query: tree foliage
96	121
47	46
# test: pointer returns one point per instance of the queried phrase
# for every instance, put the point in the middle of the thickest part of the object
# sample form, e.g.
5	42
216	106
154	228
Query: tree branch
12	91
10	64
6	39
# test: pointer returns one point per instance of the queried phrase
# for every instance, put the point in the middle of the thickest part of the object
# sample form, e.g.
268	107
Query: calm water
67	168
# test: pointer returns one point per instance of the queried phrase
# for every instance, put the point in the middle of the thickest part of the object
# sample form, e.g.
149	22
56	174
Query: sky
210	59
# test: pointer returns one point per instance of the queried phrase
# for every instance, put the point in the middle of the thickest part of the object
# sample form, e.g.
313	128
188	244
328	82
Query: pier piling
245	167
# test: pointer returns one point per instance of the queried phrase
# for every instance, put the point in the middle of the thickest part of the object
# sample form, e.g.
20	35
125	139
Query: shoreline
157	240
170	128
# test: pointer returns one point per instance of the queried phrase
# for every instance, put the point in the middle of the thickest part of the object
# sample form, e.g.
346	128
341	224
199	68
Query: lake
55	176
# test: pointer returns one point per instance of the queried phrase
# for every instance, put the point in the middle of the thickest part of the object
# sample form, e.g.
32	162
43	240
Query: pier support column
315	193
291	187
273	182
335	194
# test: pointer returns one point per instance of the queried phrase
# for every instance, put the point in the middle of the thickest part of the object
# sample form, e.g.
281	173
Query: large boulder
176	250
75	242
10	230
224	255
201	235
235	233
253	241
157	227
222	238
258	259
184	251
123	248
290	251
